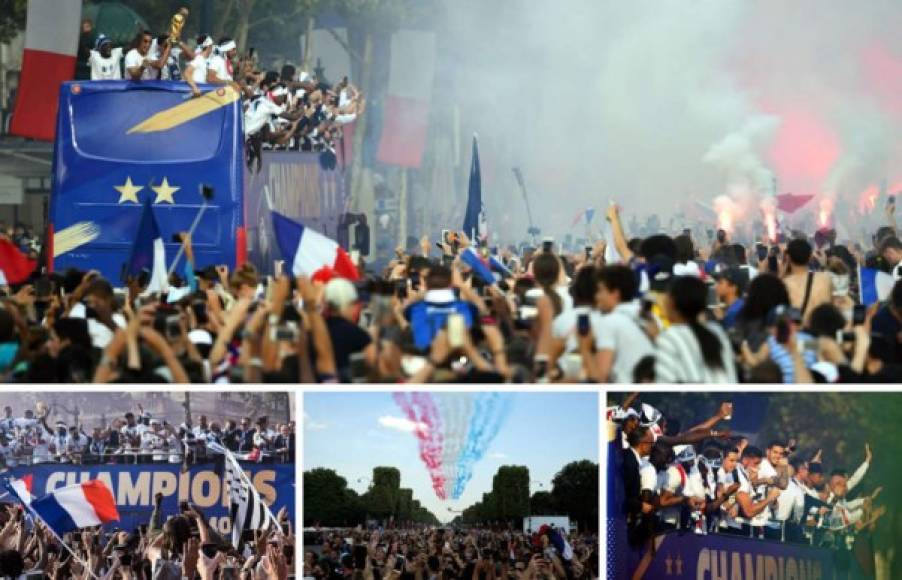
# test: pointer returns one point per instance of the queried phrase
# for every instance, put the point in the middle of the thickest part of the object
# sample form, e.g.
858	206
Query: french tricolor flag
310	253
51	46
73	507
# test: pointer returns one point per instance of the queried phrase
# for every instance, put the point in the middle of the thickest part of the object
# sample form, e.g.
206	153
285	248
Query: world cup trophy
176	25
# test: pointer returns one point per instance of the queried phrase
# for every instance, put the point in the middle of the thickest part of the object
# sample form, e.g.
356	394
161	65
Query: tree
325	497
510	487
575	492
383	497
12	18
542	504
405	505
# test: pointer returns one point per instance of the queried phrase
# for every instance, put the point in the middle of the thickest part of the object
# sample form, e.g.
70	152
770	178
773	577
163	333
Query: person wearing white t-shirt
564	326
790	510
623	340
750	499
196	73
105	61
772	472
262	112
219	66
140	64
727	486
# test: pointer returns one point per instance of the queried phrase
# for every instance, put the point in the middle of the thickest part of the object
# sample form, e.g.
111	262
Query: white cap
339	293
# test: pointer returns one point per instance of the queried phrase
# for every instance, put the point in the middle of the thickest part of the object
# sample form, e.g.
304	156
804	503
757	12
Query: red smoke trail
421	410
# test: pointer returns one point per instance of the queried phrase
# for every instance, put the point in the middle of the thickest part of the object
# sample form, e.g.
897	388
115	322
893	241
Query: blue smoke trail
489	412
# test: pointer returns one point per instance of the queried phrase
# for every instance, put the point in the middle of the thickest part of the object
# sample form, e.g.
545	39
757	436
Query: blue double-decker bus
121	144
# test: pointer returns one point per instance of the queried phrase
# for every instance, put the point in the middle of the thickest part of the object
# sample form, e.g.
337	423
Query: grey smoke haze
648	103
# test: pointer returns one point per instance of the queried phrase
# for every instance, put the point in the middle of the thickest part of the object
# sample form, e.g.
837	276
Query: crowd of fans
286	109
666	309
706	481
139	438
429	554
181	546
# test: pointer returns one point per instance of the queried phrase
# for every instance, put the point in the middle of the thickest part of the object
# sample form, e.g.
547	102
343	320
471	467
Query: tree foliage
574	493
12	18
329	502
327	499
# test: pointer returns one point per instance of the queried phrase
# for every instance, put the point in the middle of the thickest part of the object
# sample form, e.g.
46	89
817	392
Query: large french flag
408	98
149	252
310	253
51	46
77	506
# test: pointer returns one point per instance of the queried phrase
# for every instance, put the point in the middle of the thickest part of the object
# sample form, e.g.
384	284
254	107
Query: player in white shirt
857	476
219	65
771	472
41	443
140	63
752	500
847	513
154	442
263	110
196	73
680	485
105	61
727	486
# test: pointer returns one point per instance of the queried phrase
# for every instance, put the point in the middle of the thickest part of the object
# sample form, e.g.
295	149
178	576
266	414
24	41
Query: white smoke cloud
400	424
654	103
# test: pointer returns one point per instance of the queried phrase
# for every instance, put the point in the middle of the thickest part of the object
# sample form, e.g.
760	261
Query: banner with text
135	486
715	556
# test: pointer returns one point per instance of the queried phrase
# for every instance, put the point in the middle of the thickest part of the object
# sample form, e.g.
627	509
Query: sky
354	432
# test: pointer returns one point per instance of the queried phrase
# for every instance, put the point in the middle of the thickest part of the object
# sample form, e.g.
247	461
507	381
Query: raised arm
613	216
862	469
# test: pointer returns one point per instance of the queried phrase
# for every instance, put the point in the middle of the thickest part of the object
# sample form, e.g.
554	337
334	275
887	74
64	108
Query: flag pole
178	255
38	517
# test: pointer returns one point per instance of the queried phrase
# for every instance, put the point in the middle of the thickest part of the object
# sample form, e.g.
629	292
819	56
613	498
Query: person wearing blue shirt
730	287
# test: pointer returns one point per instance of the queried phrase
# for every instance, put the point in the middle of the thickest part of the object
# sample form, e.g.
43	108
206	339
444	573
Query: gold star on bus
164	192
128	192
